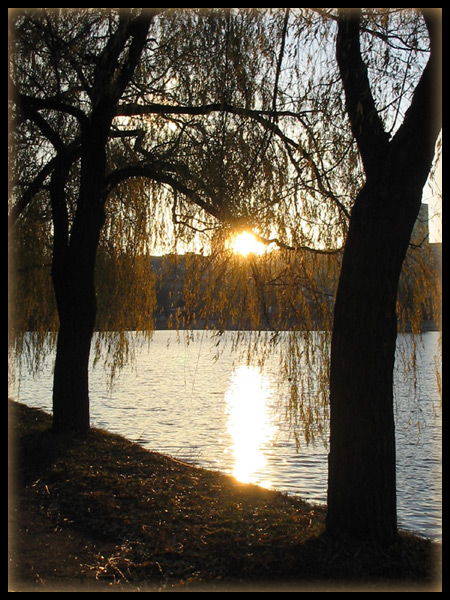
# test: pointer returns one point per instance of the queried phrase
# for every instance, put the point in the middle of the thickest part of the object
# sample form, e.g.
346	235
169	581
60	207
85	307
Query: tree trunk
74	256
74	288
362	481
361	473
73	280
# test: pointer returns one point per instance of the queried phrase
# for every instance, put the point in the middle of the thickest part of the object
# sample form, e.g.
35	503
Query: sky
432	195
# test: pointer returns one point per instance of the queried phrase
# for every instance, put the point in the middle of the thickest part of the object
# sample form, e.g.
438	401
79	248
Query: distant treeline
193	291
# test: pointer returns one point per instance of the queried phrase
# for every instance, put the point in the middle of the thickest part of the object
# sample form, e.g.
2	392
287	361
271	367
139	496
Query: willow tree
83	147
313	128
45	85
362	183
362	443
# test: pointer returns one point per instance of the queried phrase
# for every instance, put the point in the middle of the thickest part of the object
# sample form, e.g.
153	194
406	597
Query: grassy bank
97	510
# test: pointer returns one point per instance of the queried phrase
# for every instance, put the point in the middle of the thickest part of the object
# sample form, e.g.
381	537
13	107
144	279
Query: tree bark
362	481
73	280
362	467
70	382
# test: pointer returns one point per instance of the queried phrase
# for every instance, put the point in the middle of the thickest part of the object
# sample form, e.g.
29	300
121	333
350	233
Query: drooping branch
266	118
72	152
149	171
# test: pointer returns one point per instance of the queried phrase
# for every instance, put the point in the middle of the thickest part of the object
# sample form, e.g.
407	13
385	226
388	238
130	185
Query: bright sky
432	195
245	243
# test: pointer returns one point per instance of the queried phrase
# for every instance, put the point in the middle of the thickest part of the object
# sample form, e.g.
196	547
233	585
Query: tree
361	489
75	246
325	163
69	70
396	160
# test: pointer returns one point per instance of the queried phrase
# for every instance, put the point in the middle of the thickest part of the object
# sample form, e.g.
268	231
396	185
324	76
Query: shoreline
100	511
163	324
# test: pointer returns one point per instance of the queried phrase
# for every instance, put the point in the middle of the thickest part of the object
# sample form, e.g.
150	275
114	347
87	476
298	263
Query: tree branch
366	124
134	109
150	172
55	103
110	78
423	119
72	151
33	114
280	60
32	189
266	118
284	246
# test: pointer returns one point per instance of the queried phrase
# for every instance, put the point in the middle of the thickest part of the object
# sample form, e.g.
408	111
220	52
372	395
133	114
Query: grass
97	511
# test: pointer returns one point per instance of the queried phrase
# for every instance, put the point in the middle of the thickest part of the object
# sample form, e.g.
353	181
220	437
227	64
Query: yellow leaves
275	292
420	293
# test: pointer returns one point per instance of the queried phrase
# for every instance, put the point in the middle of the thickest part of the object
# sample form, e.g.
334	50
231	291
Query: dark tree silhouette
361	486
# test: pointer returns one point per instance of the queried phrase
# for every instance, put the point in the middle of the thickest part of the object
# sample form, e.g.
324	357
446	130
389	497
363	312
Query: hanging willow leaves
234	120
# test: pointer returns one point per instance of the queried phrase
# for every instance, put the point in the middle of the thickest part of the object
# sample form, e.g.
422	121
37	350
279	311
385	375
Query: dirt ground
98	513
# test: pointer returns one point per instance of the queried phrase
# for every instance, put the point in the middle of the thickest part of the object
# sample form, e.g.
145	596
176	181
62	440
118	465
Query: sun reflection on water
251	423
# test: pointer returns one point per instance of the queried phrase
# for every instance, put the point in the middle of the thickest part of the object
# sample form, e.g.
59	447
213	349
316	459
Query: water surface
220	411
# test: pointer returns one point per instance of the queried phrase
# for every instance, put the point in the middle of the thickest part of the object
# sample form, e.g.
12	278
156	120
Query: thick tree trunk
74	255
362	481
70	383
74	288
73	280
361	474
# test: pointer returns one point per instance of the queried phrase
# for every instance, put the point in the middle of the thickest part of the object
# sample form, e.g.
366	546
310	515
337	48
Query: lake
207	404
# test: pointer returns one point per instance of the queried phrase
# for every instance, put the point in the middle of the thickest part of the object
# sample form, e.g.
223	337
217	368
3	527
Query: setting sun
246	243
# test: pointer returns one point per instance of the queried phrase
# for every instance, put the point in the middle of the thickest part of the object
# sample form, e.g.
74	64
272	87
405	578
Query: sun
246	243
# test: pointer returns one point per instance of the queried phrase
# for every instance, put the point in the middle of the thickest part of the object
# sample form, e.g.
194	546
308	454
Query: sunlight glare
250	422
246	243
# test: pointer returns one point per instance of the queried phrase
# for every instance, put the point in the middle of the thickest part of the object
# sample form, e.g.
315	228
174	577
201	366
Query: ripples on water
227	414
